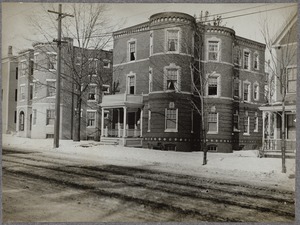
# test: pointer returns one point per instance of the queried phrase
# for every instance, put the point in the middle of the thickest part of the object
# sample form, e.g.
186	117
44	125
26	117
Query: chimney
10	50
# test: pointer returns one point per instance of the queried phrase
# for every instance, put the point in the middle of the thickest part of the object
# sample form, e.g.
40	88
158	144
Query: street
49	188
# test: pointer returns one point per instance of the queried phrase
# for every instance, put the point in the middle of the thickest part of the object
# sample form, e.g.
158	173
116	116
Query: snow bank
239	166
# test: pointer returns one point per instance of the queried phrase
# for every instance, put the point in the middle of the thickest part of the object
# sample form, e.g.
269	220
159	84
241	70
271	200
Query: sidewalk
240	167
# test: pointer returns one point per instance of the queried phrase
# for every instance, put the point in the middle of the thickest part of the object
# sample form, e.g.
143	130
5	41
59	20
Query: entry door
131	120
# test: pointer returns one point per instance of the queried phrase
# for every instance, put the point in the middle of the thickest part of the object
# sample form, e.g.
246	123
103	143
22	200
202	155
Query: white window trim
287	80
237	81
219	49
22	70
108	88
178	68
254	56
149	120
107	61
218	76
179	40
93	59
249	59
249	90
151	43
171	130
236	114
214	132
52	53
91	110
50	80
93	85
131	40
34	114
131	74
248	131
35	61
150	79
256	84
256	128
22	99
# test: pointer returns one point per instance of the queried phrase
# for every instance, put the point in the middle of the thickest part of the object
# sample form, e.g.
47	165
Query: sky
17	30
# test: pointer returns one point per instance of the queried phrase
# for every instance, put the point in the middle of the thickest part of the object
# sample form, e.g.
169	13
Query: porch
122	119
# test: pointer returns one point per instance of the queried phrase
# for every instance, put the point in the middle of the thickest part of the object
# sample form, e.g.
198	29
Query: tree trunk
77	121
283	142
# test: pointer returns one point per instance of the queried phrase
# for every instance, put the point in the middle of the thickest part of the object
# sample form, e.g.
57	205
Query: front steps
109	141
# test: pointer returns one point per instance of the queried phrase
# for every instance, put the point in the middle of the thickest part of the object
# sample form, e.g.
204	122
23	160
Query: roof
284	29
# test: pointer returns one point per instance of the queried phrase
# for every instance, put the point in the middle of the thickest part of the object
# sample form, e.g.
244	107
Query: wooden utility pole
57	98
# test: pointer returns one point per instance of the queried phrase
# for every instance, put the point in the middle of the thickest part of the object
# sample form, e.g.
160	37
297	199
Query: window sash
50	117
246	60
291	80
171	118
173	40
246	92
213	49
51	90
91	117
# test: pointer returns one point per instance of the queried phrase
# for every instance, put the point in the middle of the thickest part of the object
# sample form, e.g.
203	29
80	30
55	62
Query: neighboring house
37	90
154	107
285	46
9	92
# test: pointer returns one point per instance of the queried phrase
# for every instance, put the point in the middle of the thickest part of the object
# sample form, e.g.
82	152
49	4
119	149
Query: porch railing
119	132
275	144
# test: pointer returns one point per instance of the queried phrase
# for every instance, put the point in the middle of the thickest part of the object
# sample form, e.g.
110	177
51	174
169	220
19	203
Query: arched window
21	121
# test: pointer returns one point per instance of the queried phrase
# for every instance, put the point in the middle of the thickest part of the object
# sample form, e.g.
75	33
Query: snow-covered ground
240	166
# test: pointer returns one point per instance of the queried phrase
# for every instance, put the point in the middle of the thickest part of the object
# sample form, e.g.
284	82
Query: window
132	51
212	122
173	36
256	91
23	68
131	85
52	61
246	123
106	64
22	92
49	136
92	92
171	120
246	92
256	61
105	89
213	86
34	116
246	60
30	91
17	71
213	50
35	62
212	148
21	121
51	88
50	117
291	80
236	88
150	80
236	121
15	118
31	66
172	79
151	43
16	94
91	118
35	89
149	120
93	66
255	122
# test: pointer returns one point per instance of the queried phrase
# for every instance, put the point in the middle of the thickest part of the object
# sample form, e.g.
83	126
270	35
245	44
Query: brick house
9	92
285	46
154	108
37	82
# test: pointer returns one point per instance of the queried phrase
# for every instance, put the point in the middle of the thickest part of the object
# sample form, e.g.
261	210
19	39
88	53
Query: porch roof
278	108
122	100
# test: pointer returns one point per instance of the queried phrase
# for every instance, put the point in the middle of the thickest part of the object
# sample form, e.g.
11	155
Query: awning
121	100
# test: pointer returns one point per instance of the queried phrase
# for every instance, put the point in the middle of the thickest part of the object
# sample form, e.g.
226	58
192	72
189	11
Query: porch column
263	130
141	123
102	122
270	114
124	120
118	124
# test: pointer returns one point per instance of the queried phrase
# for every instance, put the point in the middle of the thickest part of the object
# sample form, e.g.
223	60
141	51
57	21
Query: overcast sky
16	27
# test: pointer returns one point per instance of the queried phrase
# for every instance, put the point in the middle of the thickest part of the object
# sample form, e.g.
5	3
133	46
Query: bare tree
84	57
